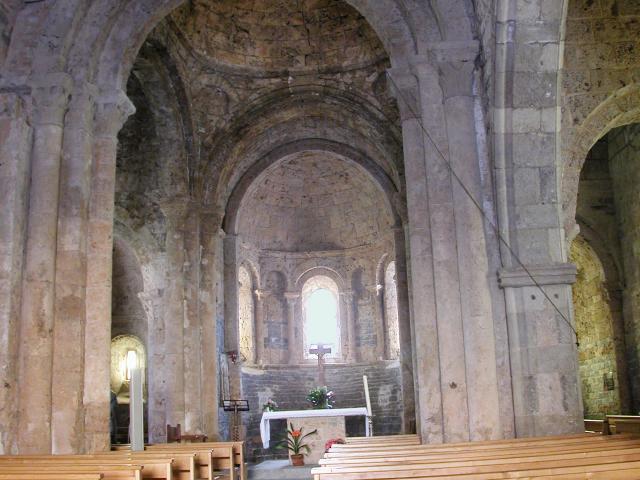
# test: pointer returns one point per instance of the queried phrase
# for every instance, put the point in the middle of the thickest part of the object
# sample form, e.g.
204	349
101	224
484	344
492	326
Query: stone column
193	381
292	337
259	296
376	294
175	312
50	97
231	308
15	146
347	299
404	329
111	110
209	224
427	386
457	76
67	423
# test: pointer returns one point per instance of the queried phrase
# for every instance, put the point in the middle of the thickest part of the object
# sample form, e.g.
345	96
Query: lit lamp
130	363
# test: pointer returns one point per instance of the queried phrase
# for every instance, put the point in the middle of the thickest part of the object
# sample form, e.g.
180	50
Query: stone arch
323	271
619	109
391	195
594	324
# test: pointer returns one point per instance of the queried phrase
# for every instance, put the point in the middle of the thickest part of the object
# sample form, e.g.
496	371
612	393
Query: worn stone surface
405	98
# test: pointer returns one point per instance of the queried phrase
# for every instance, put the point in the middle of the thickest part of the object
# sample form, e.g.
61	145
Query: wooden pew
50	476
596	426
415	457
221	449
37	475
337	450
477	468
111	467
385	439
105	471
623	424
541	457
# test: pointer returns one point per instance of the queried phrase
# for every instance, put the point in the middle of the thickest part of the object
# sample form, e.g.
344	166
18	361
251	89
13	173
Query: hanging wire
484	214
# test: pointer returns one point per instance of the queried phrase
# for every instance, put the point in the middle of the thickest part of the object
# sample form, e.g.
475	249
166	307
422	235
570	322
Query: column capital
558	274
50	95
291	297
113	107
405	88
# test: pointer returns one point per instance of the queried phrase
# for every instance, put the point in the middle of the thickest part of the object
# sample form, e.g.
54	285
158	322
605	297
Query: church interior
430	208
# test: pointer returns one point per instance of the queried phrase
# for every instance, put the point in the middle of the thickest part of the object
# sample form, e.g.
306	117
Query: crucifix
320	351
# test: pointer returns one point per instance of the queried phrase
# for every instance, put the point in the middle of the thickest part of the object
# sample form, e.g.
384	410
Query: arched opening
391	310
321	316
594	324
246	315
607	264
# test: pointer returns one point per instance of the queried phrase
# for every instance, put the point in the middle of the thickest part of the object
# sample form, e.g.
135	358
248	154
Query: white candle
366	394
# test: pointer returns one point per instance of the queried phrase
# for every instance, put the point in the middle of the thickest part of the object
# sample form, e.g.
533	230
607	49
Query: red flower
296	433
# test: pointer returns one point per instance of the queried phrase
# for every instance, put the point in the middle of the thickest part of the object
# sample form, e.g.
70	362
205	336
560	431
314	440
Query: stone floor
279	470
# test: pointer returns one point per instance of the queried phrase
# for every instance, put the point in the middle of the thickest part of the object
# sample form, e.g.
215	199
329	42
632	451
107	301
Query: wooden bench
50	476
175	435
416	457
222	452
385	439
543	457
105	471
622	424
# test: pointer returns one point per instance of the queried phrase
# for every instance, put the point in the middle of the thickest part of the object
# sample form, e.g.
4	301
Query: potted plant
321	397
270	406
294	443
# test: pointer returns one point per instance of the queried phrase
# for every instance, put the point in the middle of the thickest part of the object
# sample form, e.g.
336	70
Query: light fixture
131	362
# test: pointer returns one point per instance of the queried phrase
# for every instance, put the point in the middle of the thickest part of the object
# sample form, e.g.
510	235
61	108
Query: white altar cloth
265	428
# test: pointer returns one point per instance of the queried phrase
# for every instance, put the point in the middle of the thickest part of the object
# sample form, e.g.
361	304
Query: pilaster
50	97
292	337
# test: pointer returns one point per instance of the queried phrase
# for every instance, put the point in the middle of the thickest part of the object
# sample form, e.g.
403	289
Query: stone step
279	470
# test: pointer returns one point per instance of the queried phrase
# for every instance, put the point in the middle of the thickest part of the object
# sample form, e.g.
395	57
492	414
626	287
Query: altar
330	424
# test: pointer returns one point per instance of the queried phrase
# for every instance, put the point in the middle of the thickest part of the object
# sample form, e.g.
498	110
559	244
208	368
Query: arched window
246	315
391	310
321	314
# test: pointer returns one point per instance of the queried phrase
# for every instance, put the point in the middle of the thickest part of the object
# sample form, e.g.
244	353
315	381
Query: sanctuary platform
279	470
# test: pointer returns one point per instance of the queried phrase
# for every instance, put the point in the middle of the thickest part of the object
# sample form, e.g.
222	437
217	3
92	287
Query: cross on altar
320	351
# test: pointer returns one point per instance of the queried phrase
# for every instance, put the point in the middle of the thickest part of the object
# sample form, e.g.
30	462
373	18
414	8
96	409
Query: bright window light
321	315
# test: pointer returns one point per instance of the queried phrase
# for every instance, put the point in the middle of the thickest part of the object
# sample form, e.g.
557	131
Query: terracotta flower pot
297	460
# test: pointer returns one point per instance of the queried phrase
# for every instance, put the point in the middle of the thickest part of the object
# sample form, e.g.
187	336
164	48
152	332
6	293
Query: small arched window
391	310
321	314
246	315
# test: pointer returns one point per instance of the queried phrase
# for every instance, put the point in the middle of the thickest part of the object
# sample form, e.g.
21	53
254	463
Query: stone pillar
259	296
375	293
427	386
231	308
15	146
209	224
404	330
526	120
50	99
193	420
111	110
67	424
457	76
292	337
347	299
175	312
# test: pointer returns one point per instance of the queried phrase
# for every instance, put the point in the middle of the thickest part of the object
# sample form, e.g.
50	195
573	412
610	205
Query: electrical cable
484	214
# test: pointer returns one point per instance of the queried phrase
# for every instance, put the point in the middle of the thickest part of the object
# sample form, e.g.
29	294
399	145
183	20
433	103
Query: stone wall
288	387
594	324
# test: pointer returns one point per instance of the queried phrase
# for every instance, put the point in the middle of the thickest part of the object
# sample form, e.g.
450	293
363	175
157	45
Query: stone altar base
279	470
328	428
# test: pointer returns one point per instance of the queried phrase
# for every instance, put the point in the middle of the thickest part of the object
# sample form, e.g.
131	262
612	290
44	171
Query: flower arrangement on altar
293	443
321	397
270	406
332	442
